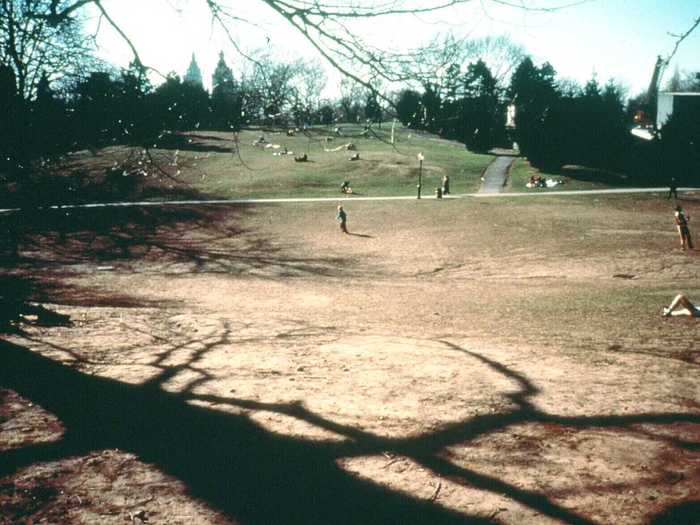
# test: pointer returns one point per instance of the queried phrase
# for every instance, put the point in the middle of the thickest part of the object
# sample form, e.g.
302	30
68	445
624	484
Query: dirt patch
461	364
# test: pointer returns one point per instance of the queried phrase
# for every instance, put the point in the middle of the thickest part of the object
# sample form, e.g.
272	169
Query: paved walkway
492	186
496	174
533	193
544	193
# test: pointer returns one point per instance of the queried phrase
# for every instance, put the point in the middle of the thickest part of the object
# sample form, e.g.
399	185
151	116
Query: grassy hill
216	165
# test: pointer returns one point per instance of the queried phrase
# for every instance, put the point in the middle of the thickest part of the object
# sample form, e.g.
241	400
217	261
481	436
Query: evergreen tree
614	138
326	115
481	118
431	105
408	108
179	106
680	146
373	111
11	112
97	110
222	73
225	98
139	124
534	91
693	82
453	85
48	121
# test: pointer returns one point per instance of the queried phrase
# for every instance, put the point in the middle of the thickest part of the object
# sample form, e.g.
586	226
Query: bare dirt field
463	361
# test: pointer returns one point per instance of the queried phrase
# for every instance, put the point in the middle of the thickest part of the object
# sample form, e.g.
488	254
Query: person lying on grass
681	305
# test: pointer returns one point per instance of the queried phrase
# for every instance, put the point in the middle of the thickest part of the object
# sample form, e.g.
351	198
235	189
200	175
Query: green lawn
217	165
383	169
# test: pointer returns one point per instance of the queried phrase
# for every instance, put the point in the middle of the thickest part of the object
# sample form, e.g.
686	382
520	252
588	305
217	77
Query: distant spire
194	74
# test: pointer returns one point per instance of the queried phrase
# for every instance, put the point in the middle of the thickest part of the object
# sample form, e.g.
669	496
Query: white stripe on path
534	193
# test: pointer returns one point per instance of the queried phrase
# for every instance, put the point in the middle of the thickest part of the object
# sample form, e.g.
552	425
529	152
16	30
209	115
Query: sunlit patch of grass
384	169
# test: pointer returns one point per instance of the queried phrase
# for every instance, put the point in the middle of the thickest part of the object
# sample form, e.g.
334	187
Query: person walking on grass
681	218
342	218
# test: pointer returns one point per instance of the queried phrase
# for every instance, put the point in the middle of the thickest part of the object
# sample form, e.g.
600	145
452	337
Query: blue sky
614	38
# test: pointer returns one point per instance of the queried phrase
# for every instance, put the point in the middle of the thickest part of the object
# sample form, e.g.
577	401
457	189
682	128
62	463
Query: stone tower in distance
194	74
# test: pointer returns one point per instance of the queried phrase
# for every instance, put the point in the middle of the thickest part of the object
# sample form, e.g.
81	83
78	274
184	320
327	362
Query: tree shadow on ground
257	476
21	298
187	238
42	249
686	513
196	142
248	473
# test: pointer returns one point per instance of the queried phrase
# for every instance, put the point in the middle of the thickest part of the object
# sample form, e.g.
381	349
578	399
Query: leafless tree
331	27
32	45
269	86
352	99
309	81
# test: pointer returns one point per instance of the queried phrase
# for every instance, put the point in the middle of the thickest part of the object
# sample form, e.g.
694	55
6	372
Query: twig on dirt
497	512
109	512
386	465
141	503
437	491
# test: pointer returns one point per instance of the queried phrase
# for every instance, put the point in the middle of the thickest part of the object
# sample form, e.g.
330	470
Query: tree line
55	96
106	107
556	121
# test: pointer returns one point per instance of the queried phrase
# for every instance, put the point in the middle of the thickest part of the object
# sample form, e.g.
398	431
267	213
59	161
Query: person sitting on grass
681	305
345	187
536	182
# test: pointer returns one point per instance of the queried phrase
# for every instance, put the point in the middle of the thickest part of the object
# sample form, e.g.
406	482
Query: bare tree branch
681	37
321	23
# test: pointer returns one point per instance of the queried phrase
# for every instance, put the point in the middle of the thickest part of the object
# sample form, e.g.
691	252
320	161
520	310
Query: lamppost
420	171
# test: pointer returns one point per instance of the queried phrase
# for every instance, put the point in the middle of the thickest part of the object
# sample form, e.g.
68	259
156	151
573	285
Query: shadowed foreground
228	461
256	476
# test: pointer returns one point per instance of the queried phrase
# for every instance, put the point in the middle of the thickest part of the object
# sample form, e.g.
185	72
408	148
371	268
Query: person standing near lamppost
420	171
446	185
